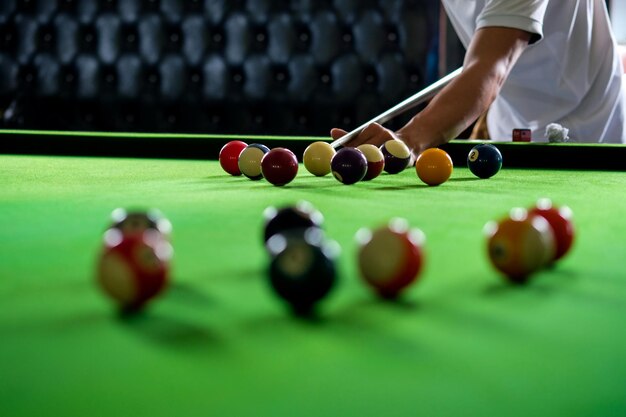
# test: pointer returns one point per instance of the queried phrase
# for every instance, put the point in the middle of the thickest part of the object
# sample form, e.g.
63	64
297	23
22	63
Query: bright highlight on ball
137	222
302	215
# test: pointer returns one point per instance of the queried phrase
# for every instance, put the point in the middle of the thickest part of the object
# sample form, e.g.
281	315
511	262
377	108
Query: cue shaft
409	103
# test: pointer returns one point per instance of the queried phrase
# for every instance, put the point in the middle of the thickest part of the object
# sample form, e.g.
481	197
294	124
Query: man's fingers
374	133
337	133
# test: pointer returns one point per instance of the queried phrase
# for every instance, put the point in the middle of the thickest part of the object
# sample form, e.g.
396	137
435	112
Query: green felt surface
462	342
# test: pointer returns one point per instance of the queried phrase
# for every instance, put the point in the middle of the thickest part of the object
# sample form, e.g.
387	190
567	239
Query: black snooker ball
302	215
137	221
484	160
349	165
302	270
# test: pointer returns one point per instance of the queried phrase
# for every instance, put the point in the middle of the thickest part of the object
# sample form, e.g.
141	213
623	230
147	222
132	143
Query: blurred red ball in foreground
229	156
390	257
279	166
133	269
561	221
520	245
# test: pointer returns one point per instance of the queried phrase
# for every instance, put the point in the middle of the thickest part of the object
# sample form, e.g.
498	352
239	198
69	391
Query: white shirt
570	75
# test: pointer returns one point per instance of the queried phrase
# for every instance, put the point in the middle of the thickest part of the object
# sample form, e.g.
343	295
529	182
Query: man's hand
489	59
374	134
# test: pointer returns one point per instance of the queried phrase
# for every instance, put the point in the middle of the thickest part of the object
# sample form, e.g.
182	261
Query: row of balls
134	262
302	268
351	165
303	261
528	240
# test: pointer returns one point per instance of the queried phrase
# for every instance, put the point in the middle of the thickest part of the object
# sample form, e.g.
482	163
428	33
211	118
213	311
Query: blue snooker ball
484	160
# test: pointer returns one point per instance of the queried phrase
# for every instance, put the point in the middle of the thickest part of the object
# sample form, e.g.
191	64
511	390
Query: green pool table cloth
219	343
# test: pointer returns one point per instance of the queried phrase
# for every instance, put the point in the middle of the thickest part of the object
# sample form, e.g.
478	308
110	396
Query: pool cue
409	103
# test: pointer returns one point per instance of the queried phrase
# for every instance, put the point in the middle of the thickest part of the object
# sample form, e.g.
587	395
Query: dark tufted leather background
214	66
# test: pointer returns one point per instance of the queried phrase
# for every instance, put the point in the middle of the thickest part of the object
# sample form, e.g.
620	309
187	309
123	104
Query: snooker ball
133	269
520	244
279	166
391	257
397	156
229	156
131	222
375	161
561	222
302	270
484	160
349	165
302	215
434	166
250	160
317	158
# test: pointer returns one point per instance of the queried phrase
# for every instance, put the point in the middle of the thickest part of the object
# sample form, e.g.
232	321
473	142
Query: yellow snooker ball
317	158
250	160
434	166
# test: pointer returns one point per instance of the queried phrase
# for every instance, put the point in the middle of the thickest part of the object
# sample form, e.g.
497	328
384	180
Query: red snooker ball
279	166
229	156
133	269
560	219
375	161
390	257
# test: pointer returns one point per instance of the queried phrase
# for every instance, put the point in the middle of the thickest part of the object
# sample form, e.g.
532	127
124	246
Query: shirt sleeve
525	15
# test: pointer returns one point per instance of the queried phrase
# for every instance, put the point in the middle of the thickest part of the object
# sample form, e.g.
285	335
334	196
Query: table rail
197	146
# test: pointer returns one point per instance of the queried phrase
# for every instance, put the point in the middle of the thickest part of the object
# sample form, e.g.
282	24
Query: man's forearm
489	60
453	110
